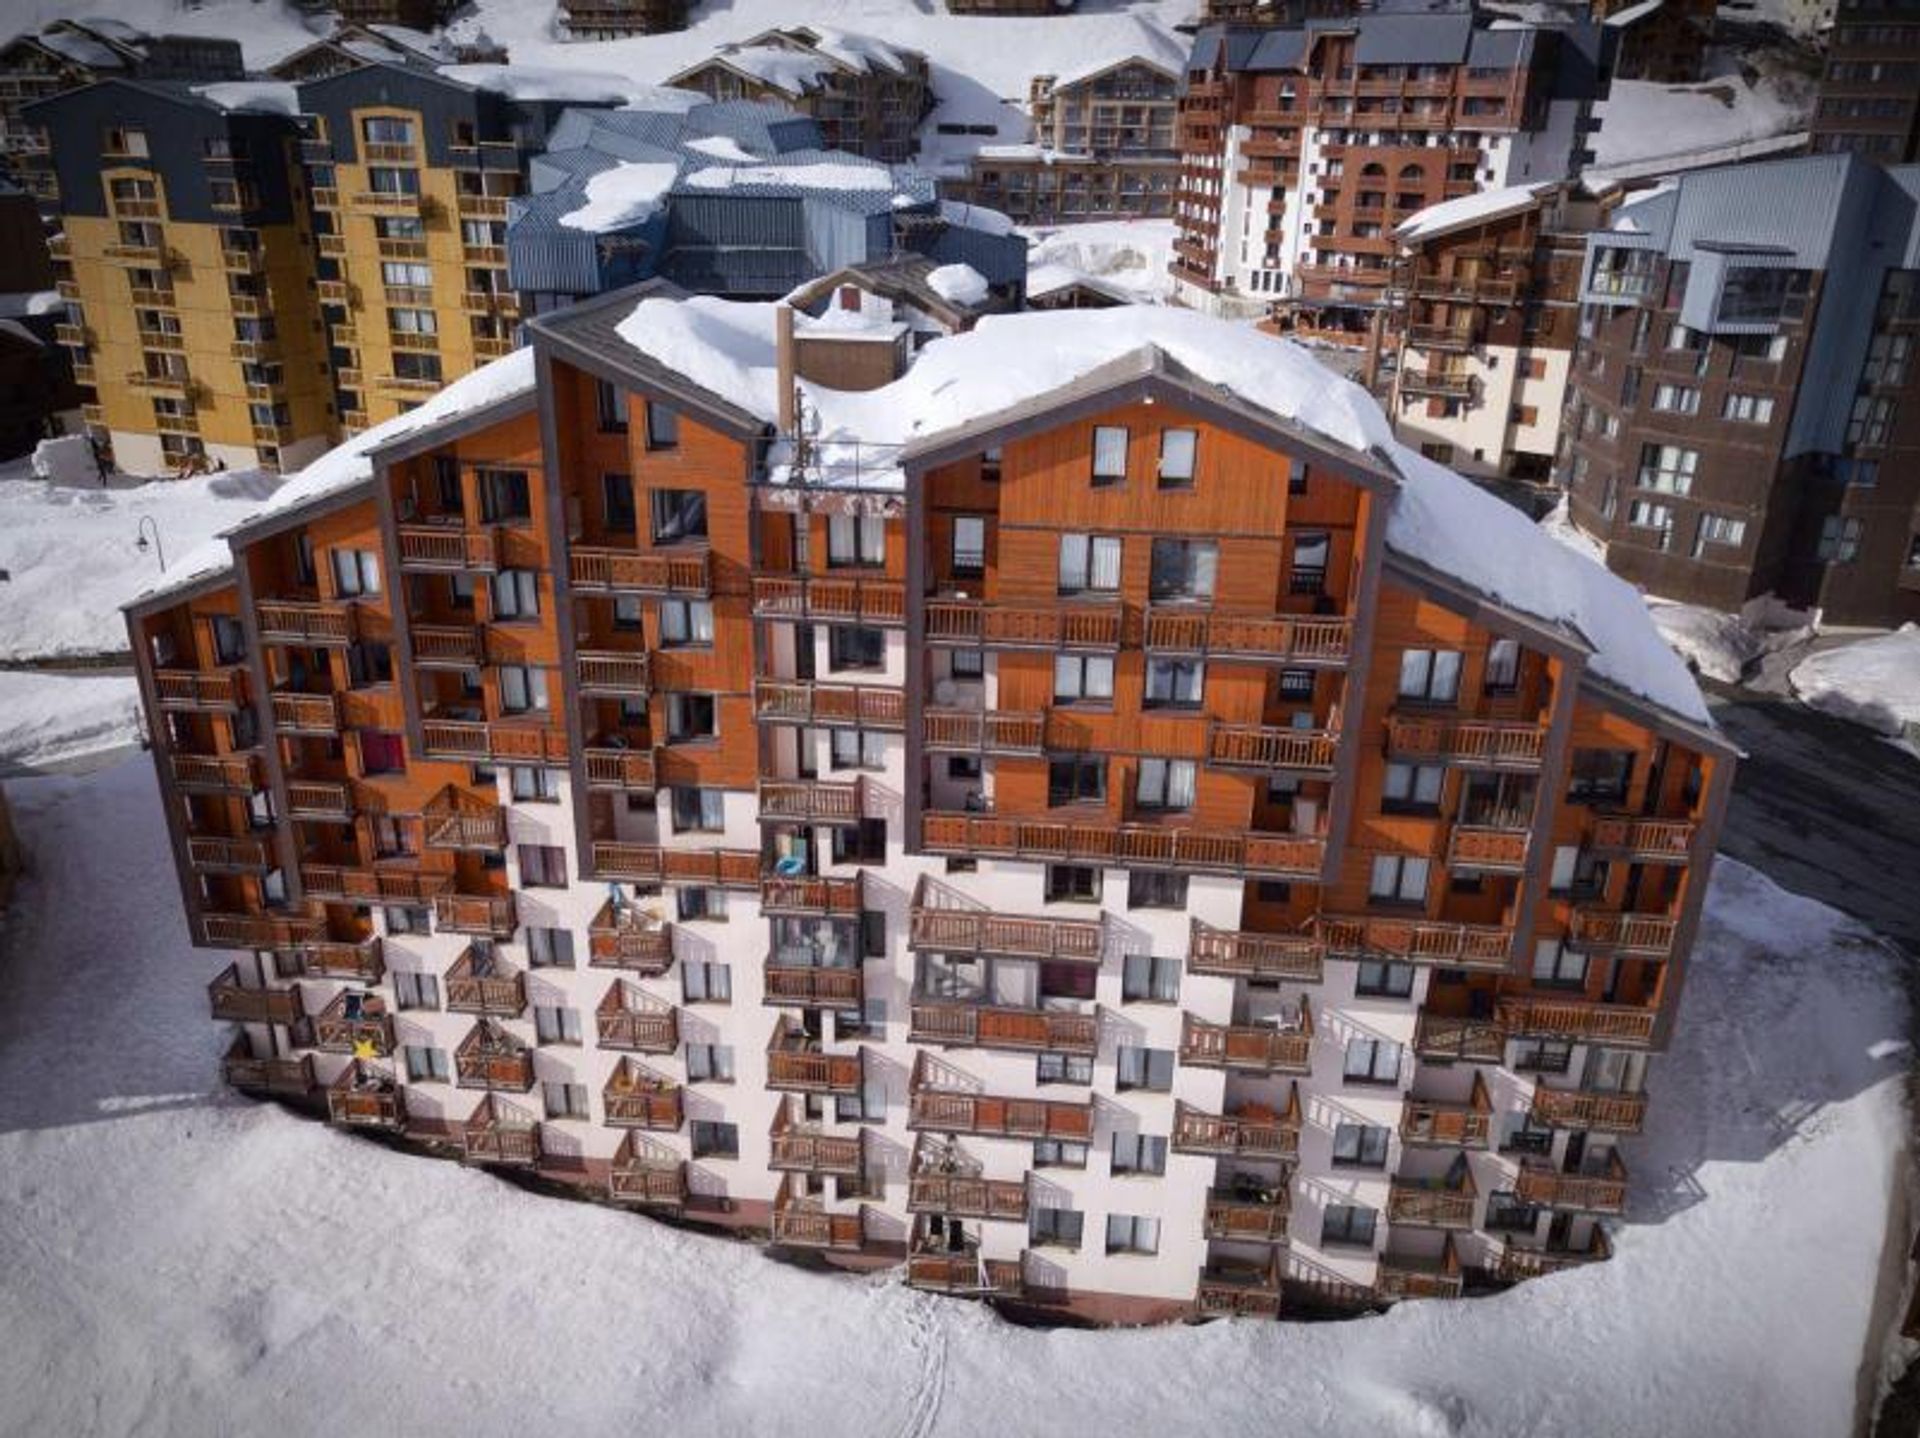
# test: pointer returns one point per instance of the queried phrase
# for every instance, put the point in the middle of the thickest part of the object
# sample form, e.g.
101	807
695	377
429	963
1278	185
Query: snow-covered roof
1045	279
81	50
1474	209
555	83
793	61
624	195
958	284
259	97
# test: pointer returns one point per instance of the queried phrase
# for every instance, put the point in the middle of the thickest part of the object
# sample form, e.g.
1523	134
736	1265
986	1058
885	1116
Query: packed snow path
180	1260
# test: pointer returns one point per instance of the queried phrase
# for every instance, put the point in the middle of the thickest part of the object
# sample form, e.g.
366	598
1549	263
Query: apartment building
1869	99
1274	12
408	174
1072	815
1103	149
190	323
1744	421
867	96
1485	301
617	19
351	46
1304	144
1664	41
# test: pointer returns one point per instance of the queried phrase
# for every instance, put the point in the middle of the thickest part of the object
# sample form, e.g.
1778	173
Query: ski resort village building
1074	807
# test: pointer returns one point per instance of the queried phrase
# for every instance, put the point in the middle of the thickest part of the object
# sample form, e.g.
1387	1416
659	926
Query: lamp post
159	552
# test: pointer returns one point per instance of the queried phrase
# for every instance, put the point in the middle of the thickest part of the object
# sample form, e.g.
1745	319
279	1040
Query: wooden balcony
840	986
213	691
627	770
806	1148
1603	1190
938	924
1607	931
796	701
1431	1203
1616	1025
287	1077
965	1274
1238	1290
448	548
304	621
1267	747
1250	1131
490	1058
319	799
1514	1263
1472	743
1405	1275
1452	1125
637	1097
1247	1048
218	854
811	896
448	646
1417	941
1488	848
805	1223
478	983
473	740
1275	638
826	597
1238	854
1069	625
354	1023
964	1025
728	868
1435	383
1246	1213
1643	841
797	1063
628	571
497	1134
233	1002
812	801
259	931
1223	953
456	819
362	962
646	1171
366	1096
948	1110
1586	1109
1445	1038
317	714
961	1195
629	675
634	1021
994	731
490	915
629	940
1455	339
384	883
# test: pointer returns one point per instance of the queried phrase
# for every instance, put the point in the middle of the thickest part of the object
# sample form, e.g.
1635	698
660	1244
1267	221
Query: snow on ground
1559	526
49	719
1129	255
73	554
1718	645
177	1256
1726	118
1875	682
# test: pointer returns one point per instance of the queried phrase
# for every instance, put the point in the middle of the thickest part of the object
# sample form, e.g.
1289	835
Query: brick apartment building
1304	144
1745	420
1869	100
1100	842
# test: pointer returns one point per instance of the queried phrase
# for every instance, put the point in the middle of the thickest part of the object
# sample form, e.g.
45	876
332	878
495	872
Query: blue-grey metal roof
1413	39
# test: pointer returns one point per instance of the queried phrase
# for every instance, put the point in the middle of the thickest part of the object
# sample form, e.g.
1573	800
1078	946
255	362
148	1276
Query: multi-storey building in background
1869	99
191	322
1485	307
1304	144
1664	41
866	95
1103	149
1745	418
1072	807
617	19
351	46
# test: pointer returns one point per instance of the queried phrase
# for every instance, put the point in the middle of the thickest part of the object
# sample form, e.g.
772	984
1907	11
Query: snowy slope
1875	682
51	718
182	1261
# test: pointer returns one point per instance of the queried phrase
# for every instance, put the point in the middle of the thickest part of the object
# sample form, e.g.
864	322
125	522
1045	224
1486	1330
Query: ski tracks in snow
927	1335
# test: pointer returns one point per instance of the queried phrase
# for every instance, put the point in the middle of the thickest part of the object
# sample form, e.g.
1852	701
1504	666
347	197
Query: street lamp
160	553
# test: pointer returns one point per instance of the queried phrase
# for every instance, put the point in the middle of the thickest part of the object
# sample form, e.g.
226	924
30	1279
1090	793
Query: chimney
788	369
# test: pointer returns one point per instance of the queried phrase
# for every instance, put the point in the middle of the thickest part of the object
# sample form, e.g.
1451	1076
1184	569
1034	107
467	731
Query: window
1055	1227
1503	666
1076	779
369	664
1860	473
700	903
1058	1153
663	426
685	622
709	1063
1542	1056
969	663
1109	455
1182	569
1719	529
969	546
515	594
698	810
1063	1068
1147	980
1398	879
610	403
1887	357
1072	883
864	843
1375	1061
856	541
856	646
523	689
355	572
858	749
1557	966
690	717
1757	294
990	465
382	752
1080	677
712	1139
530	784
413	322
1296	684
385	180
1747	408
1359	1145
426	1065
1839	539
1174	684
704	983
408	919
1667	468
1140	1068
1165	784
415	991
1152	889
616	504
1430	675
543	866
678	516
1382	979
1676	398
1307	574
564	1100
1600	776
1131	1233
1412	788
1139	1153
1645	514
549	948
387	130
1089	563
554	1025
1176	458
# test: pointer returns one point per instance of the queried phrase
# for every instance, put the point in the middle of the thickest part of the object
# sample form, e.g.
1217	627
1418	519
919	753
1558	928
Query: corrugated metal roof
1414	39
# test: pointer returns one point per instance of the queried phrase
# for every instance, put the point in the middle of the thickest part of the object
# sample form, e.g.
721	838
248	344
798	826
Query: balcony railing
646	1171
965	1273
1438	383
630	1019
383	883
1291	856
1227	954
1090	625
855	601
946	928
1250	1131
1514	1263
996	731
728	868
1238	1290
290	1077
629	940
797	1064
218	690
633	770
1266	747
811	801
1644	841
1612	1024
1276	637
304	621
490	915
812	985
936	1105
259	931
1488	848
637	1097
611	672
361	962
967	1196
1596	930
306	713
805	1148
796	701
354	1023
225	855
1431	1203
1417	941
804	1223
319	799
1457	1125
811	896
1587	1109
1602	1190
496	1134
607	571
1446	1037
964	1025
233	1002
478	983
1246	1215
1252	1048
490	1058
365	1096
449	646
448	548
473	739
1404	1275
